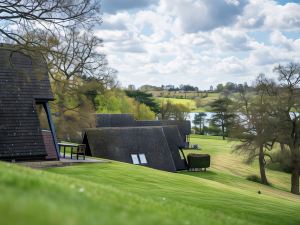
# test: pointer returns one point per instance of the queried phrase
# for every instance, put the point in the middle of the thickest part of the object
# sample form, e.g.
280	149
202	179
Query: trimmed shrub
197	161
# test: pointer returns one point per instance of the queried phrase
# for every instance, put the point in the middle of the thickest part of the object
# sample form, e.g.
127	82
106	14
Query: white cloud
200	42
268	15
200	15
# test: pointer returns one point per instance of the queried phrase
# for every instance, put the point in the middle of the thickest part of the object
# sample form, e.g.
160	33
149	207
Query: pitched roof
119	143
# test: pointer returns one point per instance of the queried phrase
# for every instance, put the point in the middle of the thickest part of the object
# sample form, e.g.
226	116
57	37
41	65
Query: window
143	158
139	159
135	159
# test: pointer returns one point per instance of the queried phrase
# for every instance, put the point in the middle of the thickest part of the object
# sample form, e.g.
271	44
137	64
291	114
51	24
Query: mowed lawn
119	193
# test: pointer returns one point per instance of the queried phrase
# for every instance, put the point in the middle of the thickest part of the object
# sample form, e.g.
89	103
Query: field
187	102
196	104
119	193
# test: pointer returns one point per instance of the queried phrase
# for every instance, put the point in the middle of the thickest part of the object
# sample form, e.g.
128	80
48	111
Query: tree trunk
295	180
262	170
223	130
200	125
223	126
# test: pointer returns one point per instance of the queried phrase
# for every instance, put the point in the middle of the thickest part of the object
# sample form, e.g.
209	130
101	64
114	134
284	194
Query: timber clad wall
23	81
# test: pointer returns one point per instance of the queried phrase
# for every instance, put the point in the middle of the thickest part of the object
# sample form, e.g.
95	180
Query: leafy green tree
144	98
220	87
116	101
171	111
199	119
222	116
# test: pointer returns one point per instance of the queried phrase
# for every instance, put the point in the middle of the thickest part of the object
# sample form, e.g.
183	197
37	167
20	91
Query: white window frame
143	159
135	159
139	158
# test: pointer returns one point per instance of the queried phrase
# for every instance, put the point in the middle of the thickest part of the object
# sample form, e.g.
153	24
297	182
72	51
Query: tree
144	98
220	87
285	110
18	17
230	86
79	73
253	125
115	100
170	111
222	116
199	120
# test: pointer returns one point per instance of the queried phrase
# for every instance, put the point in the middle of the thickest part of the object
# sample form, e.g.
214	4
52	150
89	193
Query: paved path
63	162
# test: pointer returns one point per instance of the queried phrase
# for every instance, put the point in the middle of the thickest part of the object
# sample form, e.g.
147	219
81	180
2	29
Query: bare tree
286	111
79	73
253	125
18	17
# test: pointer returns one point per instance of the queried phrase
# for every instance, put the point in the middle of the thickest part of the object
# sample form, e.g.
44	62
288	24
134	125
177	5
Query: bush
198	160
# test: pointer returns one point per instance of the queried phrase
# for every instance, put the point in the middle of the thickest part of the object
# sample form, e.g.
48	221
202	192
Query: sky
198	42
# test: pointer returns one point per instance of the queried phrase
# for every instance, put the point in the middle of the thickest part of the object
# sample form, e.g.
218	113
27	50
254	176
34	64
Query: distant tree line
232	87
181	87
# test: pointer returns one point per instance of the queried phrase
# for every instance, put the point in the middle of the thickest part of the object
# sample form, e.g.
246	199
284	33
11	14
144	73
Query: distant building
154	143
211	88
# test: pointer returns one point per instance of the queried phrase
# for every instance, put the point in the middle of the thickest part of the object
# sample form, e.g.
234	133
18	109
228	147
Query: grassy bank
119	193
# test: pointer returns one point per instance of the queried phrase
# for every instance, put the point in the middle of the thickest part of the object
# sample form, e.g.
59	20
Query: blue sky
198	42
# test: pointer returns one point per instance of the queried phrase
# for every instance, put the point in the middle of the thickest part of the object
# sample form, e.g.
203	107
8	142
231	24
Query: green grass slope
119	193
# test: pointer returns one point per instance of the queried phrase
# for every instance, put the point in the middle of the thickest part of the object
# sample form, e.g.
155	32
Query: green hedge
198	160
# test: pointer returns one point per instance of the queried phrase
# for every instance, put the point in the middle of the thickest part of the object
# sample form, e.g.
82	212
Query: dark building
122	138
155	147
127	120
24	89
145	146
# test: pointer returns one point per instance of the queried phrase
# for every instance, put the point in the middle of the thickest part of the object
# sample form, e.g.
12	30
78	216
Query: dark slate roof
23	81
127	120
118	143
114	120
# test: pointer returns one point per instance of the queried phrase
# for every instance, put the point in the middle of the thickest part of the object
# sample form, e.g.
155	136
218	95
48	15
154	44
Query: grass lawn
119	193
